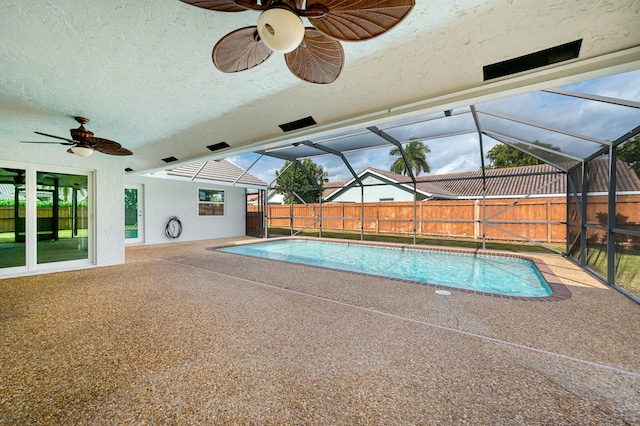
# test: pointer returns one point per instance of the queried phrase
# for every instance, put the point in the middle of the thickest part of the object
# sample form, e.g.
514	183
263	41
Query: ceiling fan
83	143
313	54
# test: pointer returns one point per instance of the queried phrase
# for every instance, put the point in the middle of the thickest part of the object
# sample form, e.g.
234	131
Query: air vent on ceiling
217	146
169	159
542	58
298	124
128	169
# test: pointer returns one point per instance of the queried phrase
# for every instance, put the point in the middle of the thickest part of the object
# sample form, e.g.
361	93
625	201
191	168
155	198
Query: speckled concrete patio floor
185	335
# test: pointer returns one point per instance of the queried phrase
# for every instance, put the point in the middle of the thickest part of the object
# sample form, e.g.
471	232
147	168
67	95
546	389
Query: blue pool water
492	274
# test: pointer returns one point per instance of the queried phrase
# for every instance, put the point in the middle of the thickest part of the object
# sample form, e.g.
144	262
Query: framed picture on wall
211	202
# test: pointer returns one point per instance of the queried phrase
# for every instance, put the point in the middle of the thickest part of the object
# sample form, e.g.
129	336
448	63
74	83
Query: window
210	202
386	199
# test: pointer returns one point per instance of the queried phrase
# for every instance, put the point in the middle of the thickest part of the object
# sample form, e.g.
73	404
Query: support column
484	217
415	202
291	215
361	213
56	210
320	208
611	222
583	217
484	176
476	219
265	211
567	216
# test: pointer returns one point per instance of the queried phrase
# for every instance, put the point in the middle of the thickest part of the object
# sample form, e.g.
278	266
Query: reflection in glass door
133	214
12	218
62	217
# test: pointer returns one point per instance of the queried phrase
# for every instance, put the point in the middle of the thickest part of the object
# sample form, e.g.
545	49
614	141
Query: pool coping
559	290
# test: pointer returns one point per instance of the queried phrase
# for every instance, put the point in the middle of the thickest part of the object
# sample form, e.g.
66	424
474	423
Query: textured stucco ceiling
141	70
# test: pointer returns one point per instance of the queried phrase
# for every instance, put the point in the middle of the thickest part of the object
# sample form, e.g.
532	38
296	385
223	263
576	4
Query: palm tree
416	153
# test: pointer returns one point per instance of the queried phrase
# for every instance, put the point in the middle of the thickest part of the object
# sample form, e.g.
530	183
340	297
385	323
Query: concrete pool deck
185	335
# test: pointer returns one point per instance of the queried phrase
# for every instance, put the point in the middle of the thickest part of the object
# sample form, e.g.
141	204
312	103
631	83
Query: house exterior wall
165	197
373	194
162	198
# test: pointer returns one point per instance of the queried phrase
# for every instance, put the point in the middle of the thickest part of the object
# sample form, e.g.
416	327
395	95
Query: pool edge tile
559	291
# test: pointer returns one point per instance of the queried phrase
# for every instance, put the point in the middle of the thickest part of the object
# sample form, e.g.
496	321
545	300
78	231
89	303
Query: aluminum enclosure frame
382	135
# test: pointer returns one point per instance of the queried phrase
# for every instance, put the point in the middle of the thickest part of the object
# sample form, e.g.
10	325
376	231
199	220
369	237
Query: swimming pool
510	276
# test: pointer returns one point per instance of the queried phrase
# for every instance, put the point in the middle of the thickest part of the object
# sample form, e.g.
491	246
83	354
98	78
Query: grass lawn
9	237
408	239
627	266
628	271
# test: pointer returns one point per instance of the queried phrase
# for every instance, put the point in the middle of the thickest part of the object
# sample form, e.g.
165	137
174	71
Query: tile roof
510	182
7	191
334	186
515	181
427	187
598	175
219	171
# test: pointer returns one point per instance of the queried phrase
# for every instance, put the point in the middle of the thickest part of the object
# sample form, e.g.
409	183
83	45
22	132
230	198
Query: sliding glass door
13	248
45	217
62	225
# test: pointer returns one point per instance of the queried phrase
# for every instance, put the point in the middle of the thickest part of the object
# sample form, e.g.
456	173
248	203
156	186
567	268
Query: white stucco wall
108	173
373	193
164	198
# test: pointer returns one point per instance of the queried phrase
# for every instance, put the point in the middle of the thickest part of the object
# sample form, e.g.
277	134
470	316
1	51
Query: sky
462	153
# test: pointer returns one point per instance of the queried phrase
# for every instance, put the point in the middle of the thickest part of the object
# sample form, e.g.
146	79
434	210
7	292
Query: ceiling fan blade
220	5
318	59
50	143
56	137
103	145
240	50
121	151
355	20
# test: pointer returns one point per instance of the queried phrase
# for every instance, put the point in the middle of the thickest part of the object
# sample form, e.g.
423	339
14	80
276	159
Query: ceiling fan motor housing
280	28
80	134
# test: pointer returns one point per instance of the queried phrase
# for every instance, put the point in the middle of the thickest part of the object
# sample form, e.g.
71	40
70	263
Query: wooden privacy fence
627	218
65	217
538	219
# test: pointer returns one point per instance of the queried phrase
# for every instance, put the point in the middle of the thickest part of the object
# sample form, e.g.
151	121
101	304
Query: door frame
31	264
140	238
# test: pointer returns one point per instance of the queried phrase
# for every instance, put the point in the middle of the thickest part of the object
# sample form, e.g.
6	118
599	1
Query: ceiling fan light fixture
280	29
82	151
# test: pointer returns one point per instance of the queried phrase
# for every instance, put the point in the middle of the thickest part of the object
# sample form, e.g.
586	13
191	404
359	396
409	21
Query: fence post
320	222
476	215
291	217
420	220
548	220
